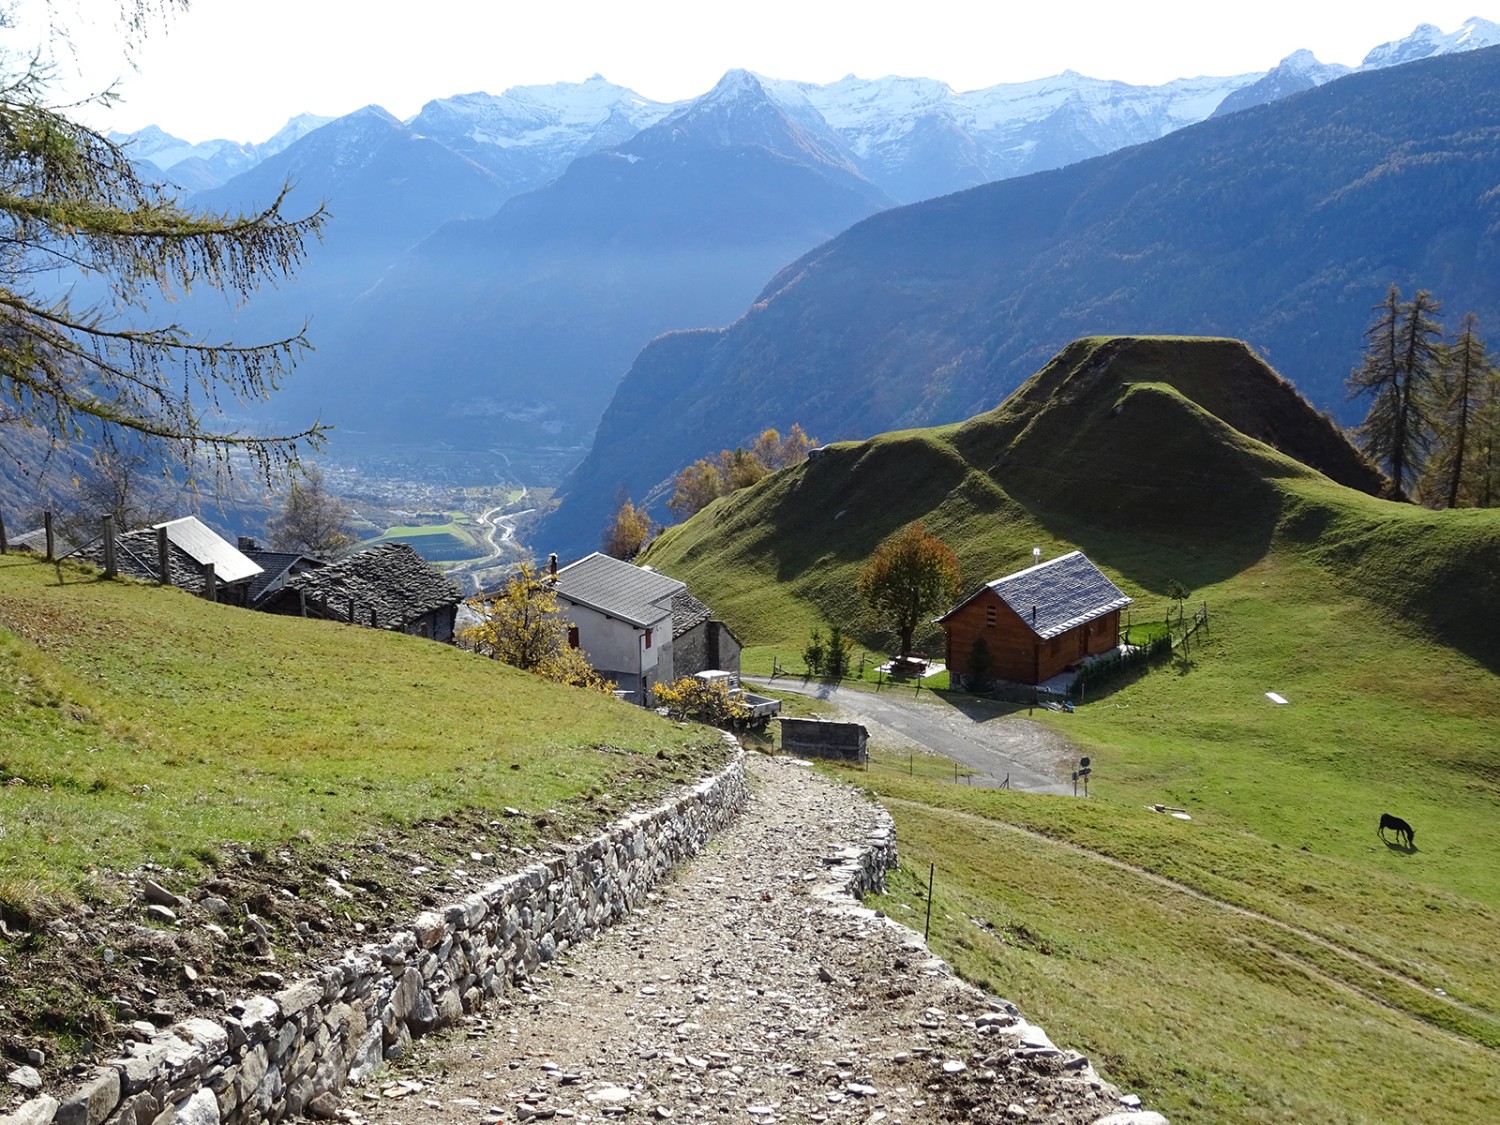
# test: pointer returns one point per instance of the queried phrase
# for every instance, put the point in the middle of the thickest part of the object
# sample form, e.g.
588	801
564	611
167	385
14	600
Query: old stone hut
385	587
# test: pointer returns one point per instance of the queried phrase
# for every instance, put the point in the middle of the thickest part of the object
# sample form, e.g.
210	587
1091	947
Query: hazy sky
241	68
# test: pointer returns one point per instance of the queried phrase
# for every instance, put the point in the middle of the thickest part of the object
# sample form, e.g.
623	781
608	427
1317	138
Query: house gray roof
634	594
392	579
191	546
687	611
36	541
1055	596
204	545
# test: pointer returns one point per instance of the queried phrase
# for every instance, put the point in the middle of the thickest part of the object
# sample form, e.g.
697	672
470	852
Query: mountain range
1280	225
495	263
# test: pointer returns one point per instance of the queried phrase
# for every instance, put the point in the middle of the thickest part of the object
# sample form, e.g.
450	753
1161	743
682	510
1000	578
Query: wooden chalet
1036	622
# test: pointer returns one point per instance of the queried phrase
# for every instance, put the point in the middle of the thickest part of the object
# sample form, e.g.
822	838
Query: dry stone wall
289	1054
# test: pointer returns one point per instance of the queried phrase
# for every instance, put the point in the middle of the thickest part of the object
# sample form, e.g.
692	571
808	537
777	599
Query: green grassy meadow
1271	959
455	540
140	724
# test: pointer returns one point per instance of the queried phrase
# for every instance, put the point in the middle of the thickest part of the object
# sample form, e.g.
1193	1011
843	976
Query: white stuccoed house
621	617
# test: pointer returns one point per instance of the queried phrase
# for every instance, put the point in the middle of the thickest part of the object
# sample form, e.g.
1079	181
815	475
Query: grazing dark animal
1396	825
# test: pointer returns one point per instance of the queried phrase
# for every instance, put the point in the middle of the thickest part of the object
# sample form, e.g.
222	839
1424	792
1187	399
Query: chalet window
648	638
991	616
572	636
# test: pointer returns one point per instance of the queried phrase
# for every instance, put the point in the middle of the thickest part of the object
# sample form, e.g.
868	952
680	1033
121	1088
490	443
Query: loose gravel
750	989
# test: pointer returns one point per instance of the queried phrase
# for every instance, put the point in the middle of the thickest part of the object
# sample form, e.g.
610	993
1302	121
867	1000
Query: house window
572	636
648	638
991	616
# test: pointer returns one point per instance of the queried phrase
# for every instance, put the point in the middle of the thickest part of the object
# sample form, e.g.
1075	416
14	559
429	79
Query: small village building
388	586
701	642
1036	622
199	559
640	628
277	568
620	615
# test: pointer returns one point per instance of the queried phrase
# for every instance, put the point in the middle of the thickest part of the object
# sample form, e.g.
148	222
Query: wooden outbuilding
1034	623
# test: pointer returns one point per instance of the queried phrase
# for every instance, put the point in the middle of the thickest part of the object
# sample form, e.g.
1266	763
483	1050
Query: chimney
247	543
552	568
1036	556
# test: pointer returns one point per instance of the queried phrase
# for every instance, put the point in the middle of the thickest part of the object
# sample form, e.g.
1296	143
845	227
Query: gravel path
748	990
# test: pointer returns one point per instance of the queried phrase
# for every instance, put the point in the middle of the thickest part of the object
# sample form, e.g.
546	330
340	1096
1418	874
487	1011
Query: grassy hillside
145	731
1271	959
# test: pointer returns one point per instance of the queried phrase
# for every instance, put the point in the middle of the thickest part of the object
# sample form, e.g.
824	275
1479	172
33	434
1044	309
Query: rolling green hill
1271	959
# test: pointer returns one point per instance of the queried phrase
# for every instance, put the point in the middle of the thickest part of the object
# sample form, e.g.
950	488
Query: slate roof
687	611
36	541
399	584
274	568
1055	596
633	594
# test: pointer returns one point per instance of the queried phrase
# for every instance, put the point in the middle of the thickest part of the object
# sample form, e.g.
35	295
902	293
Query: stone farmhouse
198	559
388	586
1036	622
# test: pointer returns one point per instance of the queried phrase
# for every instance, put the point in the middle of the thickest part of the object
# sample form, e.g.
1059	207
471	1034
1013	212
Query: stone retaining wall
290	1054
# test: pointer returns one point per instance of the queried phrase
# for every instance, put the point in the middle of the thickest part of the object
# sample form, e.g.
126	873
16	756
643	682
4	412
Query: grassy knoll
140	724
1270	960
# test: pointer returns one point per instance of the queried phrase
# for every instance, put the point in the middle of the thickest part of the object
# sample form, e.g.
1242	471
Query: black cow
1396	825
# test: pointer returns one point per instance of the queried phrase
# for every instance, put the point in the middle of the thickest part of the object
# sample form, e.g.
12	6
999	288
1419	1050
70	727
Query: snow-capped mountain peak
1429	40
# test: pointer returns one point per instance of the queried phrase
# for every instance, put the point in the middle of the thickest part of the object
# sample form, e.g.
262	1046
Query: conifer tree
73	203
1401	358
1465	381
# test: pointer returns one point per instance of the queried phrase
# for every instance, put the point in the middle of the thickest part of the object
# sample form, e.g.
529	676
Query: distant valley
496	263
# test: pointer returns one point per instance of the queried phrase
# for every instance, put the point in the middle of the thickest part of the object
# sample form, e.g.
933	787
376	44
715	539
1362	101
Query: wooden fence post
51	537
4	546
210	582
163	557
111	566
351	609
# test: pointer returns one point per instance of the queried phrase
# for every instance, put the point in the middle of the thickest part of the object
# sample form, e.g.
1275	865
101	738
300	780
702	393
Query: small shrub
692	698
815	653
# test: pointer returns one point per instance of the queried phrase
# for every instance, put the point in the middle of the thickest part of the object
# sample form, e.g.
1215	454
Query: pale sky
240	68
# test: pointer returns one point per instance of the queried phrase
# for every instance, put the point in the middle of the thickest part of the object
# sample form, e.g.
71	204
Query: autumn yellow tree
910	575
521	625
706	479
629	530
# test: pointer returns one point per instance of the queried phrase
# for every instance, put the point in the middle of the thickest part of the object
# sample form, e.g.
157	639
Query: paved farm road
995	740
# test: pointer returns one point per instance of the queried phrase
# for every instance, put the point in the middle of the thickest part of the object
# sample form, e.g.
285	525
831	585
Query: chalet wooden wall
1016	653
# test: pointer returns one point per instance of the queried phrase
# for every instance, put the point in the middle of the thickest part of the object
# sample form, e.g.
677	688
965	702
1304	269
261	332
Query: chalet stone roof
636	595
687	612
1054	596
36	541
392	579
